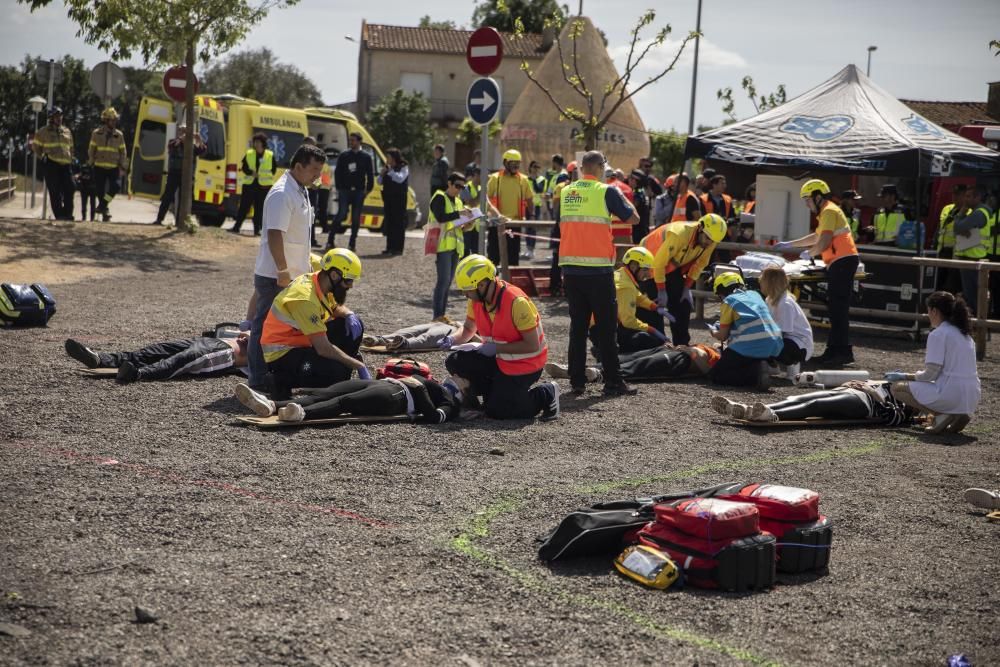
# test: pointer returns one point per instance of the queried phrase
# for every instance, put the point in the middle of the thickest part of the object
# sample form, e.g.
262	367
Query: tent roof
846	123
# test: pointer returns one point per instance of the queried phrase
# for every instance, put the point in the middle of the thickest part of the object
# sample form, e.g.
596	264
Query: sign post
108	81
484	53
175	83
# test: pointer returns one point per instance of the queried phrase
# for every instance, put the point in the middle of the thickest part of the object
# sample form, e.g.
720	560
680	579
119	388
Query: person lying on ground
796	332
417	337
167	360
310	339
854	400
666	362
426	400
750	333
504	368
949	386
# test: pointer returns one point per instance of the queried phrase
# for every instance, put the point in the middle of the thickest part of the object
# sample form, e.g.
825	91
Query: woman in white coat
949	385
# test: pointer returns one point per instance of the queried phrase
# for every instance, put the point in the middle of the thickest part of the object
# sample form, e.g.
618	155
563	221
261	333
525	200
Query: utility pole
694	74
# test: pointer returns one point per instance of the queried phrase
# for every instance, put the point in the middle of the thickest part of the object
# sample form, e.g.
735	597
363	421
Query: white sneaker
593	374
728	408
792	372
761	413
293	412
261	405
988	500
557	371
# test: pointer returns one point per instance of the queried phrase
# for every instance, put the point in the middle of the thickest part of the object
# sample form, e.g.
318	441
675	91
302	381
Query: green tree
995	45
257	74
667	148
601	99
503	14
760	104
471	133
168	32
402	120
427	22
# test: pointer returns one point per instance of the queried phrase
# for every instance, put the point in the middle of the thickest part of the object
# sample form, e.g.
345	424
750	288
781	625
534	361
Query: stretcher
401	351
99	372
811	421
273	422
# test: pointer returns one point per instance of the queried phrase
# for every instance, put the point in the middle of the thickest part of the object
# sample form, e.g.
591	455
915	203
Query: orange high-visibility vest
585	225
680	207
502	330
709	207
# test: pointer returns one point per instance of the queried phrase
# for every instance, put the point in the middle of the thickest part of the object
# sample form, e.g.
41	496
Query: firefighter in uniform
258	177
106	155
310	339
587	260
54	144
505	366
681	251
948	279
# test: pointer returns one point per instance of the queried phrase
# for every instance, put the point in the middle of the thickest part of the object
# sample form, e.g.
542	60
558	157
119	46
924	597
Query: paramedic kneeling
753	336
306	322
504	367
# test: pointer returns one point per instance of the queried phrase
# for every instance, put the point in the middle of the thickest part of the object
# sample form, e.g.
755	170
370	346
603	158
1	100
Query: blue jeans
355	199
446	262
266	289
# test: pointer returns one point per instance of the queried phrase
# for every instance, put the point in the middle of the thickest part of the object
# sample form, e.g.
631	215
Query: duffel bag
734	564
792	515
710	518
607	527
403	368
26	305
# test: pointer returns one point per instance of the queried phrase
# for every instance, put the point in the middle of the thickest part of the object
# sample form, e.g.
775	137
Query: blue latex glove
364	373
354	327
659	334
783	246
662	299
805	255
488	349
666	315
895	376
446	342
686	296
245	325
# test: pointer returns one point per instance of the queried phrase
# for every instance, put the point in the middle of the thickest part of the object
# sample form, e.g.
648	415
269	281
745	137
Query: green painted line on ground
479	527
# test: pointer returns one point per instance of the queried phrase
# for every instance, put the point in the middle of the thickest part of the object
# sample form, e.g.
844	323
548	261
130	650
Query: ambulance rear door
210	169
155	126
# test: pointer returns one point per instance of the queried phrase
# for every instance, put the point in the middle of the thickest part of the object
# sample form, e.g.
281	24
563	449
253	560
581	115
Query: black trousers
252	195
735	370
655	364
160	361
304	367
361	398
650	317
790	353
824	404
322	207
87	200
680	328
592	295
493	247
471	240
170	193
555	272
839	288
505	396
994	309
59	183
629	340
394	223
106	185
948	280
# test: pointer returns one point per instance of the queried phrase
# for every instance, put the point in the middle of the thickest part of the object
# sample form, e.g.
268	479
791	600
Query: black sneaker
127	373
551	411
578	389
82	353
620	389
105	217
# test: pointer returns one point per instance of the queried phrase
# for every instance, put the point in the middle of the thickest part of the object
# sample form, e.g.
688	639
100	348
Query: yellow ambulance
226	124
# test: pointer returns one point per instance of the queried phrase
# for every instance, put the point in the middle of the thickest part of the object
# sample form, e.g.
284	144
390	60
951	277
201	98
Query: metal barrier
8	187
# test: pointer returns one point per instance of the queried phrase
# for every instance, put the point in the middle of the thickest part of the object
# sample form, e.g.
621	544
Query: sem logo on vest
818	129
573	197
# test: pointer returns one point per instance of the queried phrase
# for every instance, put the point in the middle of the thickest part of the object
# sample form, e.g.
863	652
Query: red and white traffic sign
484	51
175	83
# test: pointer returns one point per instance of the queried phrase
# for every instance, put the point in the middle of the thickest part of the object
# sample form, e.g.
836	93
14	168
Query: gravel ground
415	545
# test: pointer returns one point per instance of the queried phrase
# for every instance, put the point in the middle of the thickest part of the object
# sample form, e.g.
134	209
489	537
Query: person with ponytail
949	385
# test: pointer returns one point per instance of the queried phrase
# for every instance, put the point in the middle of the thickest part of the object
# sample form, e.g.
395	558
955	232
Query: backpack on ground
26	305
404	368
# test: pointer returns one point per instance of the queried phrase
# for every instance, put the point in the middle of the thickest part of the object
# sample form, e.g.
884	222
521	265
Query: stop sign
484	51
175	83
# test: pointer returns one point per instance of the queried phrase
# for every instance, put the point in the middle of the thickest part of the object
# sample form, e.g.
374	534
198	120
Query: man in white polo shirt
284	245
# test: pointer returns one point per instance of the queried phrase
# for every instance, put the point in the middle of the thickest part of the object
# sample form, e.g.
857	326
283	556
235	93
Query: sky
926	50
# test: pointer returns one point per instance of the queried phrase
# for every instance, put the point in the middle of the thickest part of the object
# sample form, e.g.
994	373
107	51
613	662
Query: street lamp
868	70
37	103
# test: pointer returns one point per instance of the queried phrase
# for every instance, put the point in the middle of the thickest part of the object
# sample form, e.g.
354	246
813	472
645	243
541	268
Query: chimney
549	37
993	101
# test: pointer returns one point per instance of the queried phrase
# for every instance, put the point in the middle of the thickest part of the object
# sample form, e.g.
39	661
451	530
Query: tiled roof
951	114
431	40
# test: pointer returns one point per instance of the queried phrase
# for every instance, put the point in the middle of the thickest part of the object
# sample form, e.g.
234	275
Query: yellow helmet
727	279
813	185
344	261
109	114
638	254
714	226
473	270
512	155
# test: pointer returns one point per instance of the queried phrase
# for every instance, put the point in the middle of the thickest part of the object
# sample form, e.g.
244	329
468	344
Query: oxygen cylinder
830	379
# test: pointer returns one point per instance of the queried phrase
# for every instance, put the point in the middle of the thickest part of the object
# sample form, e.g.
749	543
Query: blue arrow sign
482	103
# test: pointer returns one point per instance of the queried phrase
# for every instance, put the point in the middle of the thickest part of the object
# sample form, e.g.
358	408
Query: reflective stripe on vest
502	330
585	225
842	243
980	250
680	208
946	228
887	225
281	333
264	173
107	148
450	239
709	207
755	333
